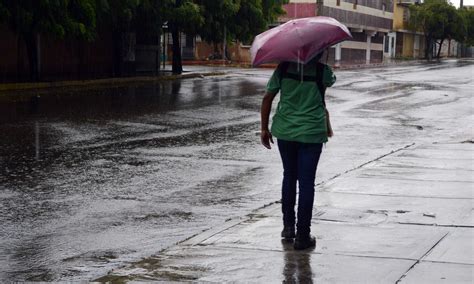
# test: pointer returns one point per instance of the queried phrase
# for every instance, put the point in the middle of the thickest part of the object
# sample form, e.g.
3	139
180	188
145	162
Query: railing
409	2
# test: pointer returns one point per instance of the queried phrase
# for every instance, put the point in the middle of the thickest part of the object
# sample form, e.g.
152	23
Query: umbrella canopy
297	40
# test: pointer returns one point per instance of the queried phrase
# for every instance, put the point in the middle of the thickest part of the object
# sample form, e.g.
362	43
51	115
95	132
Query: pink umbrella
297	40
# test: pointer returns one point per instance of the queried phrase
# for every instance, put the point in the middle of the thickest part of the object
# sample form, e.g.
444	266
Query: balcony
408	2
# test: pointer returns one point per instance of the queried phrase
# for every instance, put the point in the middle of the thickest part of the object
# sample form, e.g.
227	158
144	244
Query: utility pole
177	65
224	47
461	5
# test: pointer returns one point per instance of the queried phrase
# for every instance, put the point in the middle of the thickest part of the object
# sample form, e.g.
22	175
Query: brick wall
299	10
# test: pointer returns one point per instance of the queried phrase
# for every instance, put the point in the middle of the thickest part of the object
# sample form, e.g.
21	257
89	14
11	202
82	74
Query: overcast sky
466	2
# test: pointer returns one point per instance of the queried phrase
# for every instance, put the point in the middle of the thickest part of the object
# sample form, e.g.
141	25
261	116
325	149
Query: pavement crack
331	220
373	256
436	225
366	163
419	260
396	195
415	179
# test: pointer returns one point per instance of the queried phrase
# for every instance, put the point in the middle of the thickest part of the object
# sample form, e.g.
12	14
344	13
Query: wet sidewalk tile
435	272
218	265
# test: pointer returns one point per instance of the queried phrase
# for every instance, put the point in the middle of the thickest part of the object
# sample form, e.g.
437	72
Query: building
409	44
369	21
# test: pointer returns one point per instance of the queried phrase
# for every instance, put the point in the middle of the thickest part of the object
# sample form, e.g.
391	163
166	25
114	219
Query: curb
10	88
13	87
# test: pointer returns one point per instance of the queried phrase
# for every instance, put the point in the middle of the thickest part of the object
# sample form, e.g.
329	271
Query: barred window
406	15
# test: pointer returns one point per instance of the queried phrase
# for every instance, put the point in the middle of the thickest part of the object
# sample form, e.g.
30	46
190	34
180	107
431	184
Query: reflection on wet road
90	180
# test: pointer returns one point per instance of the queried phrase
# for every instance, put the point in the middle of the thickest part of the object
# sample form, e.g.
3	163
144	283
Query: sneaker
304	242
288	232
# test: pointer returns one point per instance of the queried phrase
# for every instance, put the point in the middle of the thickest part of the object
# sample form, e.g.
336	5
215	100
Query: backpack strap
283	68
319	81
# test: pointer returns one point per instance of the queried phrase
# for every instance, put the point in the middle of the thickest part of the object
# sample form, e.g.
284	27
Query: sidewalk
193	72
405	217
191	69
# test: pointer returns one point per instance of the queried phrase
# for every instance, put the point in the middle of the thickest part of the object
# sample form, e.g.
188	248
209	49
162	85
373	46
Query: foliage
217	15
215	21
183	16
149	18
4	14
272	9
238	19
63	18
117	14
439	20
187	15
248	21
468	18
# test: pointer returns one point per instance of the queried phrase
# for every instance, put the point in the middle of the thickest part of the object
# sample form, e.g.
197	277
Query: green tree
468	17
217	15
439	21
62	18
150	17
3	12
272	9
118	17
248	21
149	25
183	16
240	20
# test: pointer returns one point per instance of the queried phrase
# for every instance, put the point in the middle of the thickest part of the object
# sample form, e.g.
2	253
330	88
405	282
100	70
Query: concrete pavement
405	217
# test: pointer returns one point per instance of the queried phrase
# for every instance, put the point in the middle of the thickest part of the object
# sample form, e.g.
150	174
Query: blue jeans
300	161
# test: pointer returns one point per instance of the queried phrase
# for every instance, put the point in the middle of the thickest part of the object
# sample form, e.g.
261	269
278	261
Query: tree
149	25
62	18
272	9
183	16
217	15
150	17
248	21
240	20
118	16
467	16
439	21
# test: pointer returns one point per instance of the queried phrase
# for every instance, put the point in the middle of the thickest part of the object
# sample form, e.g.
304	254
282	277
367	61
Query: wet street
93	180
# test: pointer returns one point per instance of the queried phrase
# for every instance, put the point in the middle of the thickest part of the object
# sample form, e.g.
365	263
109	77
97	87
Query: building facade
370	22
409	44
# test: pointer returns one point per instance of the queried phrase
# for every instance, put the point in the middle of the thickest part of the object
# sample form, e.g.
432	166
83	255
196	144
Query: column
337	56
369	34
367	51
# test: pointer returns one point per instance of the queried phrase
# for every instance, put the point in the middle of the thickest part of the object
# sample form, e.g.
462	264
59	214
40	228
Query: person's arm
265	135
328	124
328	80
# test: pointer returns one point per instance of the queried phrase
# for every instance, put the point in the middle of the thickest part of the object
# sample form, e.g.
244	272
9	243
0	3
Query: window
355	5
338	2
406	15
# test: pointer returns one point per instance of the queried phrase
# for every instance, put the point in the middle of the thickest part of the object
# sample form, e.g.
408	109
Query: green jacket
300	114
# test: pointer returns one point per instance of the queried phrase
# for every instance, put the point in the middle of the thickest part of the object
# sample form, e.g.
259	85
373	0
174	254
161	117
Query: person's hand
330	133
266	138
328	125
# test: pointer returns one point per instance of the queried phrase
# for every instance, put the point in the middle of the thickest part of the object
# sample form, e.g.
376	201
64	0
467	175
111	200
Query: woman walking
301	126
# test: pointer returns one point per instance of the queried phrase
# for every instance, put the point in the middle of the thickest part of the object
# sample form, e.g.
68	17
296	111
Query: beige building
369	21
409	44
